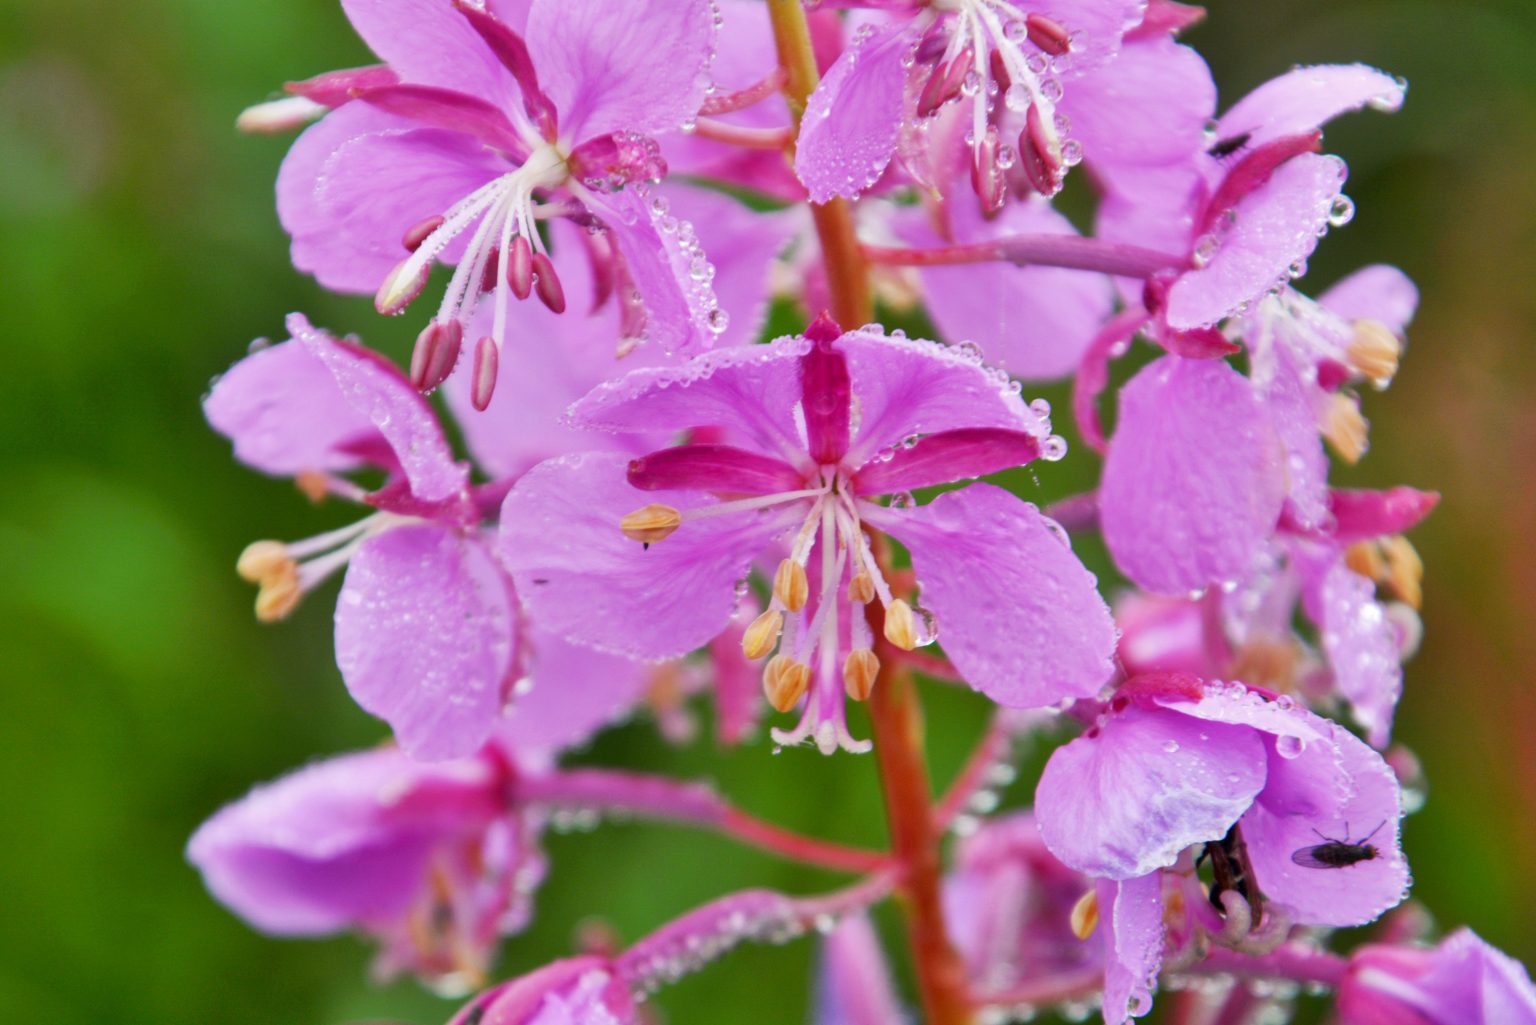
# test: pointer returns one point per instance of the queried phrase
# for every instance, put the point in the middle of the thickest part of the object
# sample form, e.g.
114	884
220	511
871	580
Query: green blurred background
141	254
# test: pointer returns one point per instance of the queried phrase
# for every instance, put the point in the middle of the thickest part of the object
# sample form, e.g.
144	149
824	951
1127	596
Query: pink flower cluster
656	504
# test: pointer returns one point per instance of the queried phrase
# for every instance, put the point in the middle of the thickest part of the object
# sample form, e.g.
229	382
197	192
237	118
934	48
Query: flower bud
654	522
762	634
785	682
859	672
791	586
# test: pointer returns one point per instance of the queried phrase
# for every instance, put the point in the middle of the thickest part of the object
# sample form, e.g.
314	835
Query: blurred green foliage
141	255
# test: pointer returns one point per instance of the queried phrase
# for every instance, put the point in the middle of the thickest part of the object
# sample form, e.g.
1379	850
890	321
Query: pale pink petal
374	387
1306	98
849	130
634	67
424	638
586	581
1127	797
1194	479
1361	645
284	412
1276	226
1017	613
429	43
1470	981
1133	941
1379	292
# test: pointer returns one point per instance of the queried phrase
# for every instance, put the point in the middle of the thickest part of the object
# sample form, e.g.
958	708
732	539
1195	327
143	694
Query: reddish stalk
737	135
1071	251
798	847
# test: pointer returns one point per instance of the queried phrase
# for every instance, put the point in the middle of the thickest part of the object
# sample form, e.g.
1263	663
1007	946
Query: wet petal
427	42
592	585
1194	479
1361	644
1133	940
849	130
1017	612
424	638
1306	98
1152	782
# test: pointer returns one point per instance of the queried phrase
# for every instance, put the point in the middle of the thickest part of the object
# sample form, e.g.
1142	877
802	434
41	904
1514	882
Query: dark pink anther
1332	375
1000	74
987	177
482	382
718	468
1038	159
510	49
417	233
944	83
334	88
1253	170
547	283
491	272
1047	35
520	267
948	456
436	352
826	393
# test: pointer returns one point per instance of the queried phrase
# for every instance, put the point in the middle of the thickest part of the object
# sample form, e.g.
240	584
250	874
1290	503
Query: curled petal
452	111
1194	479
849	130
1018	614
1133	944
1304	99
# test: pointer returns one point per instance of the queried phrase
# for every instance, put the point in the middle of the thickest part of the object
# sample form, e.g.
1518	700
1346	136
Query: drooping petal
1125	801
1379	292
849	130
283	411
1335	787
1033	321
1276	226
424	638
854	985
586	581
906	386
622	67
1018	614
1306	98
1194	479
1133	941
373	386
1361	644
338	844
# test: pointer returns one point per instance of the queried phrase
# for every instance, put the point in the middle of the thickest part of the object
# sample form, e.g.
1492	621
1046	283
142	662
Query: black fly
1227	147
1333	853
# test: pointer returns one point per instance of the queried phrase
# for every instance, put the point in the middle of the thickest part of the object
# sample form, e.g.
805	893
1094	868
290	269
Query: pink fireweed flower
500	119
1462	981
820	426
1000	60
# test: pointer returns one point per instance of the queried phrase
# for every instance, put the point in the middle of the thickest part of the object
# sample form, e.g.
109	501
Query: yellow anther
859	671
653	523
762	634
1374	351
1364	557
312	484
1344	427
901	625
861	588
263	559
791	586
279	595
1085	915
1405	570
785	682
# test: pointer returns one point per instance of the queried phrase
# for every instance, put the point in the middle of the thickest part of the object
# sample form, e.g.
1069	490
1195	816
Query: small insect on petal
1085	915
859	672
762	634
650	524
482	383
262	560
1374	351
785	682
901	625
791	586
547	283
861	588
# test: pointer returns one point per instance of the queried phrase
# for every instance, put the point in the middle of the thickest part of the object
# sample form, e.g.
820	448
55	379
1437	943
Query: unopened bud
901	625
547	284
401	286
859	672
650	524
262	559
861	588
1085	915
762	634
417	233
279	595
482	382
1344	427
785	682
791	586
1405	570
1374	351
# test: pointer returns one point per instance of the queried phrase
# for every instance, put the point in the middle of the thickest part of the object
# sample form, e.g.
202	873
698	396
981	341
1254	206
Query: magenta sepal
1362	515
714	468
512	51
451	110
948	456
1254	170
333	88
826	393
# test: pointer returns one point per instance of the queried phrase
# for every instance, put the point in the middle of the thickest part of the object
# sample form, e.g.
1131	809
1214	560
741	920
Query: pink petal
1306	98
622	67
1133	941
1378	292
1097	27
1017	612
1361	645
372	386
855	985
1033	321
1293	398
1331	785
424	638
282	409
427	42
849	130
1127	800
1277	225
907	387
592	585
1194	479
1470	980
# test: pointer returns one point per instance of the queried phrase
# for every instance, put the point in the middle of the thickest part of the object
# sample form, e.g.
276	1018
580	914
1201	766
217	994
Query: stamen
1085	915
1047	35
262	559
861	588
1365	558
1344	427
398	291
791	586
1374	351
418	233
650	524
762	634
1404	570
900	625
483	381
859	672
785	682
520	267
436	354
547	283
279	594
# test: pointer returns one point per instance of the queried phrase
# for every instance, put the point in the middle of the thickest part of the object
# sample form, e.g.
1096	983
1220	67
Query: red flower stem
843	257
1070	251
737	135
990	750
798	847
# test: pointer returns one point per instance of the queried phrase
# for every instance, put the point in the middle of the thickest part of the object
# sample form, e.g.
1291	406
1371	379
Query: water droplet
1342	211
1289	746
